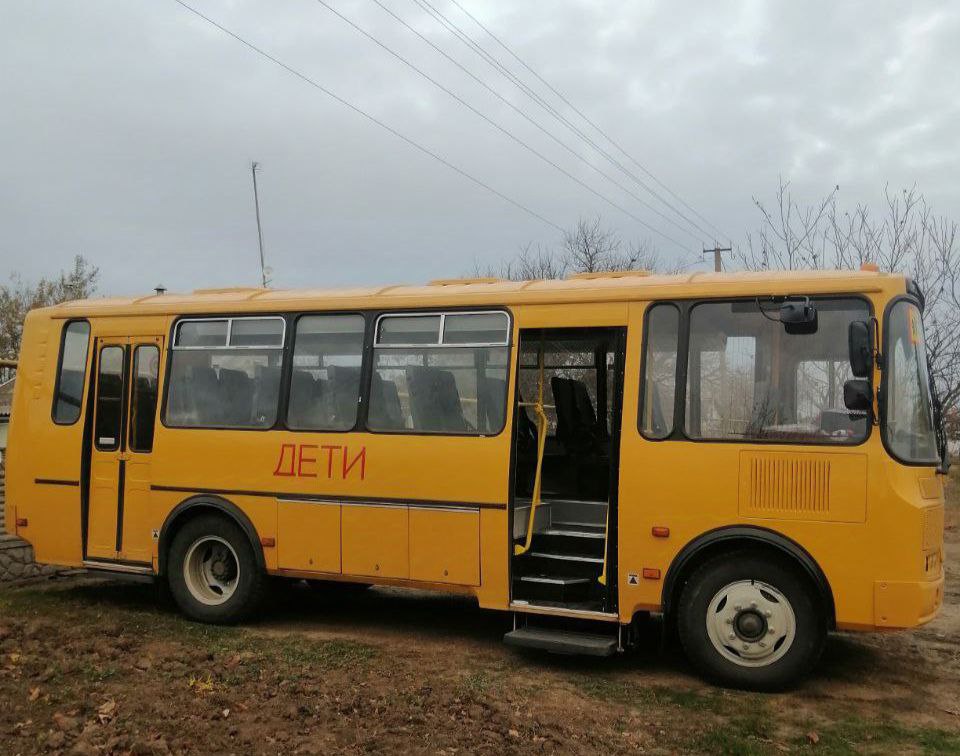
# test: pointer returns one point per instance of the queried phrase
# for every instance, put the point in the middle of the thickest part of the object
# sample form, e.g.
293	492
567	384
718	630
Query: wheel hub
211	570
750	623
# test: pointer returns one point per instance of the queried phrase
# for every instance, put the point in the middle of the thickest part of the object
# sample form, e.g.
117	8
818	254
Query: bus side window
143	397
68	398
225	372
660	371
325	384
437	373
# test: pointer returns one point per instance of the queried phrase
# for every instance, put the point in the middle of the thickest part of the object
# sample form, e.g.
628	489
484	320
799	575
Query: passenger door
127	377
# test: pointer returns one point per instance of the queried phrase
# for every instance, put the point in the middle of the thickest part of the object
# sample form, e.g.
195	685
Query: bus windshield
909	422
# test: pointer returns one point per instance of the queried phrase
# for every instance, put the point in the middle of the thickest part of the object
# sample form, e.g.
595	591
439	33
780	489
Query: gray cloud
128	128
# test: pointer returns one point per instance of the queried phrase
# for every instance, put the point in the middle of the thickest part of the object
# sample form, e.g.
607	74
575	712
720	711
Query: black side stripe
121	485
330	497
55	482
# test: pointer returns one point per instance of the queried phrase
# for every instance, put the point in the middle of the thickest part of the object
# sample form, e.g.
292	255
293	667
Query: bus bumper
906	604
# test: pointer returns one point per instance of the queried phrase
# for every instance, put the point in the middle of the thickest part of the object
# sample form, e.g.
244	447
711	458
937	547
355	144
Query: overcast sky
128	128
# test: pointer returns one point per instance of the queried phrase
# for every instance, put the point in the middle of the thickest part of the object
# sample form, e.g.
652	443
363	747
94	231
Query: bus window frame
441	311
229	321
120	445
86	371
371	323
135	350
286	377
680	400
681	324
284	348
885	379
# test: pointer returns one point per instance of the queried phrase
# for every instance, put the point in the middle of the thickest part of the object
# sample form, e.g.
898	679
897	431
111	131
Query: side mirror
798	318
860	345
857	396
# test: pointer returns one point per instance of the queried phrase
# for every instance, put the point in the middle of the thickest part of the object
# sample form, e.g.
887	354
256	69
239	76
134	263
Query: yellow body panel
875	533
308	536
445	546
376	541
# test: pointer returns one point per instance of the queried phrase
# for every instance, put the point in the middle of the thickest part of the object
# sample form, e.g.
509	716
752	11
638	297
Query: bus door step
564	642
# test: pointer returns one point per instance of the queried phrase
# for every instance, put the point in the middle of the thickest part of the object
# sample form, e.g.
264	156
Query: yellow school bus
755	456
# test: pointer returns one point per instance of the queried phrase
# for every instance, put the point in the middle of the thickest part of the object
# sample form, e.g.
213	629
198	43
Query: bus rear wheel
748	621
213	574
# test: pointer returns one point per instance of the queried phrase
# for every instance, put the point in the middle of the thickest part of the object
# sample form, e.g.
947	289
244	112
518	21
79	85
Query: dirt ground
95	667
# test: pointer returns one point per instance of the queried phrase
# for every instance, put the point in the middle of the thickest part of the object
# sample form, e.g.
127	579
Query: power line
499	66
506	132
532	121
356	109
576	110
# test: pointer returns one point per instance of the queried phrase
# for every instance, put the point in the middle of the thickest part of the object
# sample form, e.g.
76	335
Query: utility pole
254	167
717	251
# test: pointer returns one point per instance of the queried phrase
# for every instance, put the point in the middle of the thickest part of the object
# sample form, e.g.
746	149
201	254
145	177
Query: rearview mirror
857	396
798	318
861	348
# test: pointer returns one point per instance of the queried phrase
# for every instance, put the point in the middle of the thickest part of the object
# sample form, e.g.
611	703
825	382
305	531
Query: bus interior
568	389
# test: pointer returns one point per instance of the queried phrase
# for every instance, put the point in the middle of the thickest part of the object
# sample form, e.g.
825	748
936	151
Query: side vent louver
786	485
790	484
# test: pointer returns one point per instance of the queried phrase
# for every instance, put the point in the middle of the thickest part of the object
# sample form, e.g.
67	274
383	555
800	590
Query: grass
612	690
854	735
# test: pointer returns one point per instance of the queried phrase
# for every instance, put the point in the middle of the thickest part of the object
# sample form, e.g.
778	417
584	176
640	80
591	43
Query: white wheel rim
750	623
211	570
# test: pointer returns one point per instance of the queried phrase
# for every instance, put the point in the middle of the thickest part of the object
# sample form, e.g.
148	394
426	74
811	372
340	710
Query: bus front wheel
749	621
213	573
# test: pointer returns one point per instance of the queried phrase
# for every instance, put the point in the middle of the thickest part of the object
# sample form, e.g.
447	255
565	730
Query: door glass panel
109	399
143	397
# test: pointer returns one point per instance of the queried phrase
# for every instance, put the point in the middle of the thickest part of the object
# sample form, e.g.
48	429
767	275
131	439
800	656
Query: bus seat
385	410
204	395
344	385
267	391
492	404
236	392
303	409
434	400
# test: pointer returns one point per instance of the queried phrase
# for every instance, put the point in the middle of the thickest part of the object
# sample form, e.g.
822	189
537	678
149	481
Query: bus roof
579	288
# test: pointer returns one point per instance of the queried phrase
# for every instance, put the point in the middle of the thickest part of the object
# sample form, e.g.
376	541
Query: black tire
250	580
747	570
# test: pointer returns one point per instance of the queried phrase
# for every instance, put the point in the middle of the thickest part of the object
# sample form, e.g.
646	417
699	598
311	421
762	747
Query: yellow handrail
606	535
538	407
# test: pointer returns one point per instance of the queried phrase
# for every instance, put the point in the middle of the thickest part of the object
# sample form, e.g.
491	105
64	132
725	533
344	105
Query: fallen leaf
813	737
226	713
34	694
106	711
65	723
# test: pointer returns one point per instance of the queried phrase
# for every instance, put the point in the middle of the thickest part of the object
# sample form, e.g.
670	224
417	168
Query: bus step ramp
563	642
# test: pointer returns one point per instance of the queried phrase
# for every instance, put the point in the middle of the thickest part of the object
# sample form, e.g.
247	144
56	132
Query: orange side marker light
659	531
651	573
268	542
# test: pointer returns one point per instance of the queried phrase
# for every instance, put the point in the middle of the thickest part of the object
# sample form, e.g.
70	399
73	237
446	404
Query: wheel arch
736	537
196	506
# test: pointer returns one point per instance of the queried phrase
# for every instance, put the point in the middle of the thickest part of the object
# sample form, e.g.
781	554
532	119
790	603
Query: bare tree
17	298
589	247
905	237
